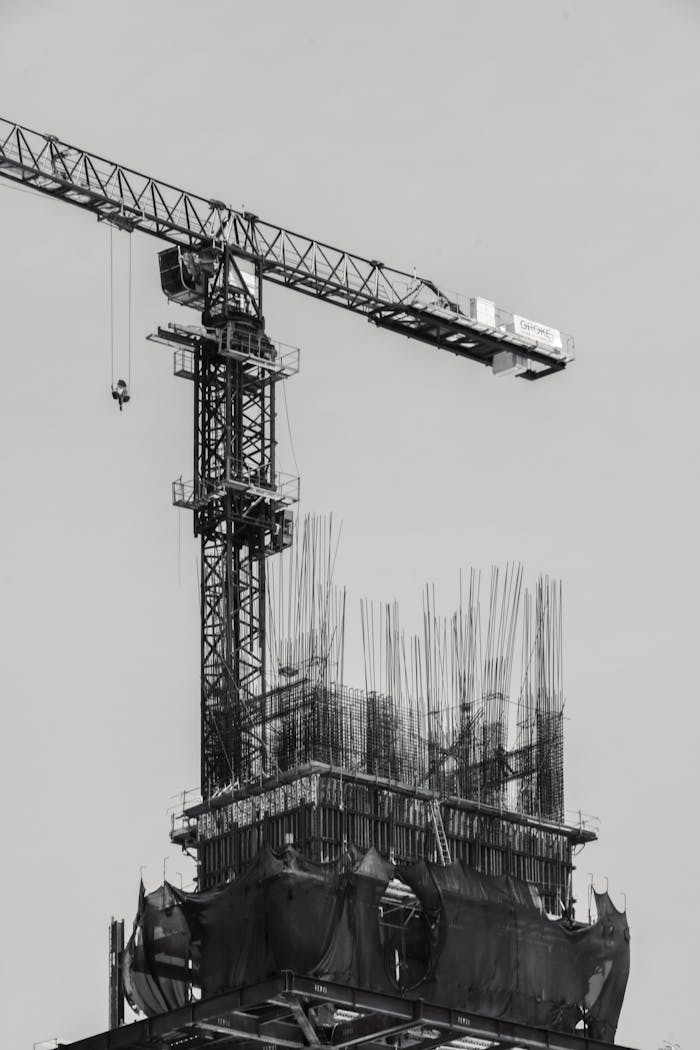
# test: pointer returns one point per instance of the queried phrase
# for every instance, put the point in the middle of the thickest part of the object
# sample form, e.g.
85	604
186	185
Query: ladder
443	848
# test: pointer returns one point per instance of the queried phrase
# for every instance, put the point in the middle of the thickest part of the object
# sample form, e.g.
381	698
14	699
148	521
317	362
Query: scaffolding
437	724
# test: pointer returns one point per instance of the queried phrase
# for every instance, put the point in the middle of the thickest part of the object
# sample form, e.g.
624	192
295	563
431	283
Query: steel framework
235	494
300	1012
236	497
412	306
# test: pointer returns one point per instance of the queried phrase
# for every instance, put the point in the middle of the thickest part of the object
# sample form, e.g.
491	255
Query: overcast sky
541	154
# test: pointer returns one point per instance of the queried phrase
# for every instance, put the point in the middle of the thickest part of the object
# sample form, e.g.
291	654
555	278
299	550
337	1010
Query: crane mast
216	262
239	500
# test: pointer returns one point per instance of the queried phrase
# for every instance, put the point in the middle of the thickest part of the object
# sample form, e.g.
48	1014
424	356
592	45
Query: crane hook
120	393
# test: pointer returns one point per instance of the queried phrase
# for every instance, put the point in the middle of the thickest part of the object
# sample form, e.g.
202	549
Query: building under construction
436	757
383	862
359	835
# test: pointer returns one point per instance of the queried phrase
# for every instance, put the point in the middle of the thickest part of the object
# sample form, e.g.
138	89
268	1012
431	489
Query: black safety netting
469	941
156	958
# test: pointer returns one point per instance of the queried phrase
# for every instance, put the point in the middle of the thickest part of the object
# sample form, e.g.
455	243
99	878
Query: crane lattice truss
217	262
413	306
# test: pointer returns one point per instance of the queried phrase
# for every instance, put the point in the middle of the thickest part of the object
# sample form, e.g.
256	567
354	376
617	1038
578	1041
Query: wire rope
128	377
179	547
289	428
111	302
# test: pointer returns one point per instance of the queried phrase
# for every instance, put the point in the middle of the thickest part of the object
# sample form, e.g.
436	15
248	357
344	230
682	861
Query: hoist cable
179	547
128	378
111	301
289	428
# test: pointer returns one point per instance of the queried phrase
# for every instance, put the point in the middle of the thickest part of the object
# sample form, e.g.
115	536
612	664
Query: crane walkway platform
301	1012
278	359
192	495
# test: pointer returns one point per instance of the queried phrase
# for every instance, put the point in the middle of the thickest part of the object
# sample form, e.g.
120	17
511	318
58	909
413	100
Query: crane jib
399	301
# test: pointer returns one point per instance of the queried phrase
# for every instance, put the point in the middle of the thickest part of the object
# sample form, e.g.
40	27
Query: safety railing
258	349
184	363
483	315
191	495
283	488
584	821
279	359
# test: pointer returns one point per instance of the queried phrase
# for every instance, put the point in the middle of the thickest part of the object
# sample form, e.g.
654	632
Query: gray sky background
542	154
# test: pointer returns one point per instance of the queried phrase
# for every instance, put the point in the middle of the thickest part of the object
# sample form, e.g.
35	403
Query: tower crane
216	261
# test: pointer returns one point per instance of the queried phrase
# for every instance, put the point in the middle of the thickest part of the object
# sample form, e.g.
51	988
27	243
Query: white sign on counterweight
542	333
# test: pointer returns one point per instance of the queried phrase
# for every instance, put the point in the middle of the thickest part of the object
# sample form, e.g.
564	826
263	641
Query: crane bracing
216	261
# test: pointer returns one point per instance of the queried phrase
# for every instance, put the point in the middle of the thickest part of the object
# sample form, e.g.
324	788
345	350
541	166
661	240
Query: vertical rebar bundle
434	711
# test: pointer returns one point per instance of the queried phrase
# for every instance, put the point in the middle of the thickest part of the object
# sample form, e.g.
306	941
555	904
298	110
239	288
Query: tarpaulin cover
480	944
154	962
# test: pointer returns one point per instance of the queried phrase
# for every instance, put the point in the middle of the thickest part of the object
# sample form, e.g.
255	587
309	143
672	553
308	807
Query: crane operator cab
120	393
185	275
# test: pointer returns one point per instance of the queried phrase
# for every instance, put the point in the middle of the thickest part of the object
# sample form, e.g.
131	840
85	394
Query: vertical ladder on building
443	847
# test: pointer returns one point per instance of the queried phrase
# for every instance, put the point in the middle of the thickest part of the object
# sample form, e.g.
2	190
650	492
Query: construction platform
300	1012
321	808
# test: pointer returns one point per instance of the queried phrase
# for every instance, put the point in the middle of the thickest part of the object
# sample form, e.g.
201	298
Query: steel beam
229	1016
302	1019
373	1026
